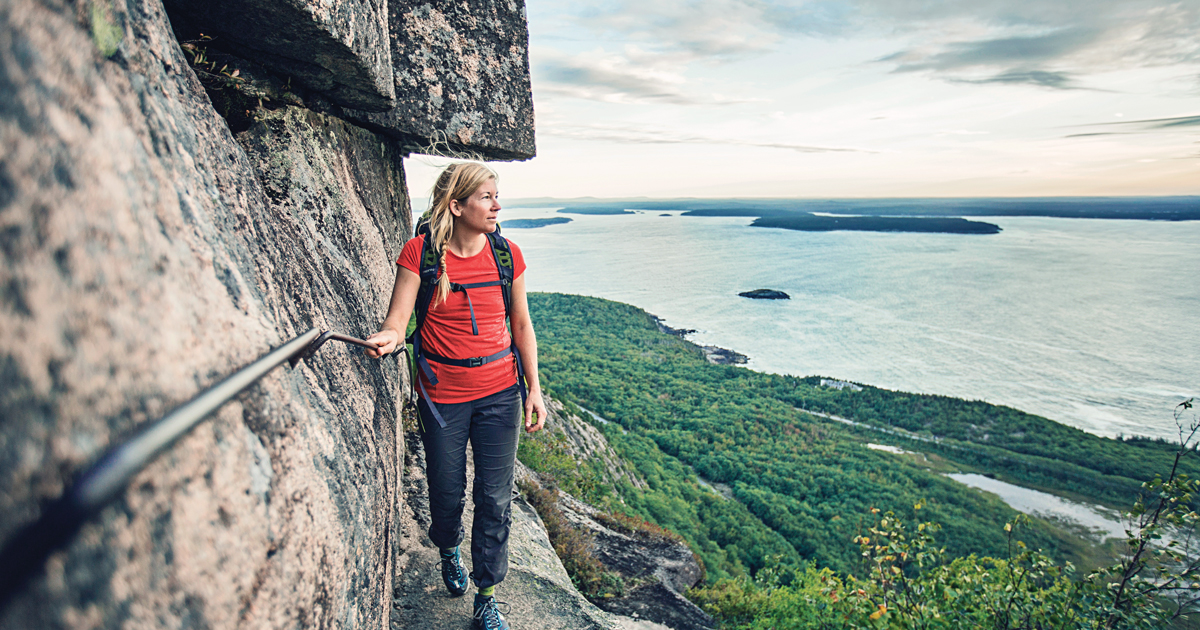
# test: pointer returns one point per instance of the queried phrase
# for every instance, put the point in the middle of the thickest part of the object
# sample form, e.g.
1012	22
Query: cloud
1040	78
702	29
634	135
1048	44
1148	125
1164	123
1159	123
631	77
1023	51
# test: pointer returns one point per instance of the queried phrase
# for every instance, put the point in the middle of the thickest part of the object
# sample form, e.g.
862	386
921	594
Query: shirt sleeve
518	260
410	256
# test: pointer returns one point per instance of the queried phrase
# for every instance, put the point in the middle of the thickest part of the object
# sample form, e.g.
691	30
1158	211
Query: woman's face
480	211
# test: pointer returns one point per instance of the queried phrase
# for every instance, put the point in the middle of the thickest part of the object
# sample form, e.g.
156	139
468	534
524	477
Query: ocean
1094	323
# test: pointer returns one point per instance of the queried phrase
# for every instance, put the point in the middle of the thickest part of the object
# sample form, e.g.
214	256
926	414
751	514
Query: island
596	210
823	223
765	294
517	224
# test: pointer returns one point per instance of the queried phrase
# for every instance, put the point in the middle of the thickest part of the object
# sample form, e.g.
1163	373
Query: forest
803	482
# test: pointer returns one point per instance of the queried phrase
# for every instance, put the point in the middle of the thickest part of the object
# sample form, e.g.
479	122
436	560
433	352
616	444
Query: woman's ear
454	209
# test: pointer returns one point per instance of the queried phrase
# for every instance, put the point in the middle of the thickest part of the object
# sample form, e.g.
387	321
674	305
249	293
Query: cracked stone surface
461	79
147	254
338	48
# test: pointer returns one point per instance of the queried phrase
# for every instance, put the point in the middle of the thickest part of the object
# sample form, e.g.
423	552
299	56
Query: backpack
430	267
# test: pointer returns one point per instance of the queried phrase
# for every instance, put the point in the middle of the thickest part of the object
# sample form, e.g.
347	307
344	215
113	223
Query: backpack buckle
474	362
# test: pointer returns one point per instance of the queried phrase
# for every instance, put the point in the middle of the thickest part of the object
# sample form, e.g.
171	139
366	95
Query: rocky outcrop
441	77
149	251
765	294
461	77
338	48
584	442
655	566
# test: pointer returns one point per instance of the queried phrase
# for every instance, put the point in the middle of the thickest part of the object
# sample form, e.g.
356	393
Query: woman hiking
469	370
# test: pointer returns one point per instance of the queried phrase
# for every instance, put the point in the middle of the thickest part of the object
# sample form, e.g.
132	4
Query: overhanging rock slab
338	48
461	74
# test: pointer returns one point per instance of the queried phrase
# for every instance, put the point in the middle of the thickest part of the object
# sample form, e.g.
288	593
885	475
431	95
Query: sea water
1092	323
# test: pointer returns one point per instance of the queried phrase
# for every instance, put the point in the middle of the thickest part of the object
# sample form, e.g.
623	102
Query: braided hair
456	183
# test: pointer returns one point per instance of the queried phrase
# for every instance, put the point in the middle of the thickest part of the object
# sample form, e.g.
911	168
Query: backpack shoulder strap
430	262
502	252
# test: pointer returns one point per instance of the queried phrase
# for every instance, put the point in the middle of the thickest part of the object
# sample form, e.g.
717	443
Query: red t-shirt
447	328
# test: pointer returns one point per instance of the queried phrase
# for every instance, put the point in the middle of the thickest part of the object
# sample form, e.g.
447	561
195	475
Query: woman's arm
526	342
404	296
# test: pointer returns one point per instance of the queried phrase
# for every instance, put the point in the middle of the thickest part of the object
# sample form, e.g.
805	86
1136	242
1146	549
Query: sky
858	98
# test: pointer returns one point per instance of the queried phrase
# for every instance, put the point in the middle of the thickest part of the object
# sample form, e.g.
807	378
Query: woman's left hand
535	409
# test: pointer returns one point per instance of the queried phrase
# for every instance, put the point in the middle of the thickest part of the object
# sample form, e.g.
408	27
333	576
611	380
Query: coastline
713	354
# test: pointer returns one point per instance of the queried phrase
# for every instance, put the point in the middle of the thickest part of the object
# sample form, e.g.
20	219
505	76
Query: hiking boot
453	573
487	615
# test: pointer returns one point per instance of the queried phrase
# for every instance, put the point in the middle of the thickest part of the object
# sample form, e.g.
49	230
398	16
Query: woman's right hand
386	339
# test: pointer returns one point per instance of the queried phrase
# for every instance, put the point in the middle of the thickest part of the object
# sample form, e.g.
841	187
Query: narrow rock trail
538	591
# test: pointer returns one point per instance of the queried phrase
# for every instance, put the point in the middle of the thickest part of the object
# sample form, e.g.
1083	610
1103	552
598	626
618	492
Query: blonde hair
456	183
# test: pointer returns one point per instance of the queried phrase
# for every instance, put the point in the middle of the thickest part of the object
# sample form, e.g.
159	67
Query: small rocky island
765	294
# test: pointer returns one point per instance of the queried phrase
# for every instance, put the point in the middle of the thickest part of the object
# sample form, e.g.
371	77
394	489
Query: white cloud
633	76
623	134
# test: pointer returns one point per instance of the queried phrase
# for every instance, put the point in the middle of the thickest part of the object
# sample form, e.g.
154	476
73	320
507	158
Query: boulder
338	48
461	79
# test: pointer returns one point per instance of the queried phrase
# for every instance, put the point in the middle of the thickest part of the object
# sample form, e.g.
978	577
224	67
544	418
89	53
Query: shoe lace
452	568
489	613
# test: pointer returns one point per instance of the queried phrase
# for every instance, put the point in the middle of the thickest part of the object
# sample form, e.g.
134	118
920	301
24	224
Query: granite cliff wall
152	246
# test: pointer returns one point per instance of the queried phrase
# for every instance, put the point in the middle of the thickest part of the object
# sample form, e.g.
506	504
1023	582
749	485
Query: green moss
106	34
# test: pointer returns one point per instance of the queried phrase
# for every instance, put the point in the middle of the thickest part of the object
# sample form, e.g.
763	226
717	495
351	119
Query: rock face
585	442
148	252
339	48
461	77
657	569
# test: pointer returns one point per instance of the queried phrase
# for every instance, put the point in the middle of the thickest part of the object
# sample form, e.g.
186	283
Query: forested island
805	486
825	223
517	224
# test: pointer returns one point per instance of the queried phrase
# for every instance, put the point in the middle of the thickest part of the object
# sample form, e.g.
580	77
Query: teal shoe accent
454	574
487	614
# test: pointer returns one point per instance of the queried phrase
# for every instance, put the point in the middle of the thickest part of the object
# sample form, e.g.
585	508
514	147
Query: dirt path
538	591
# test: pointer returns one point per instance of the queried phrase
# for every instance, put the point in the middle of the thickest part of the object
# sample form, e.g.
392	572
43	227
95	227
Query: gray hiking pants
492	424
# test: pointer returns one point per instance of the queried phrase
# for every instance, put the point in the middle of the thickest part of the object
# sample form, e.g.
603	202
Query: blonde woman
469	371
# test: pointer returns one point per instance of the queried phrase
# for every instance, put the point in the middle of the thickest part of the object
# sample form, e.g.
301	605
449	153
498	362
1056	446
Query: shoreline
713	354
